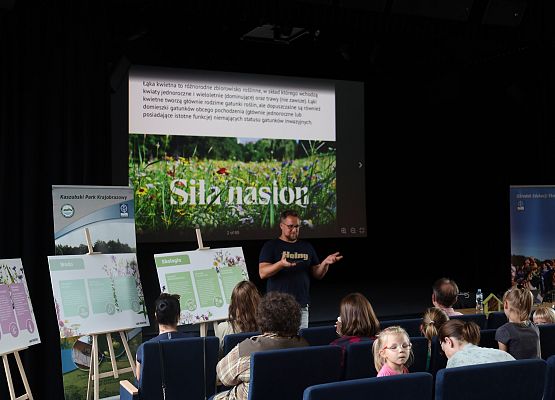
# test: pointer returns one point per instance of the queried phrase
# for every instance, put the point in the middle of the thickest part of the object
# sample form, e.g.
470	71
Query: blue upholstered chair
414	386
549	392
412	325
509	380
359	361
487	338
496	319
233	339
319	335
285	374
547	340
420	351
188	366
479	319
437	358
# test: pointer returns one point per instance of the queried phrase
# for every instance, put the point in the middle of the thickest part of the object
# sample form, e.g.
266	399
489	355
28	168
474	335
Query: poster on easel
109	214
18	327
97	293
204	279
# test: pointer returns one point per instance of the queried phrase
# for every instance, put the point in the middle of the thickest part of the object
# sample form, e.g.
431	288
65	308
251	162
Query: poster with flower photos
97	293
18	328
204	280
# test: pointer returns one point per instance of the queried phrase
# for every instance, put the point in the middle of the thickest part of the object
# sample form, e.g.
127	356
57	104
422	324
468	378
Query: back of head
357	316
432	320
381	342
445	292
519	302
464	331
278	313
242	309
168	309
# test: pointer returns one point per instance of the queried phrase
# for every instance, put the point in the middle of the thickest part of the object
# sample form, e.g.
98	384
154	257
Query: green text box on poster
208	288
102	296
126	293
230	277
181	283
74	298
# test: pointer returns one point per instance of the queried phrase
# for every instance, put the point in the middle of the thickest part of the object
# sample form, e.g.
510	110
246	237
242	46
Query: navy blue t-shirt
163	336
294	280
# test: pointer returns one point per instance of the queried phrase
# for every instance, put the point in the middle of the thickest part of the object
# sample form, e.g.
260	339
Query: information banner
204	279
533	239
97	293
18	328
109	214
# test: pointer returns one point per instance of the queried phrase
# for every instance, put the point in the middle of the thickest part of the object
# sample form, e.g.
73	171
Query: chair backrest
547	340
437	358
319	335
509	380
414	386
411	325
549	392
186	364
359	361
479	319
285	374
496	319
487	338
233	339
420	351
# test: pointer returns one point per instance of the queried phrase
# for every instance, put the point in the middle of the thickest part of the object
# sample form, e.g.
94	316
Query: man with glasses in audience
288	263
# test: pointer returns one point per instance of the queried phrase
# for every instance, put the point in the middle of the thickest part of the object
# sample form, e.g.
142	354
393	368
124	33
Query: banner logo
67	210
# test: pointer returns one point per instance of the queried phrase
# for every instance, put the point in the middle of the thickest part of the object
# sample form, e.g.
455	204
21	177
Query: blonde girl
544	315
519	337
432	320
392	352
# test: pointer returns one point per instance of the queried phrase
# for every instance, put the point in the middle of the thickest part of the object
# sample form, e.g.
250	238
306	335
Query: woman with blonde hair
242	311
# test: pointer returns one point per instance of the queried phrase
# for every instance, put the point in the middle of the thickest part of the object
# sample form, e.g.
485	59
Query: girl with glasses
392	352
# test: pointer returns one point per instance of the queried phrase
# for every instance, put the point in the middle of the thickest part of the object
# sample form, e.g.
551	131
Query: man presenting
287	263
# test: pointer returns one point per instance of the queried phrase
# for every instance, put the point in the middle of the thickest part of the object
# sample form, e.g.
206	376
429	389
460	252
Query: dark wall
455	113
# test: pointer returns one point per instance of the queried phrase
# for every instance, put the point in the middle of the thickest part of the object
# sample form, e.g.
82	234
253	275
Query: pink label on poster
21	307
7	318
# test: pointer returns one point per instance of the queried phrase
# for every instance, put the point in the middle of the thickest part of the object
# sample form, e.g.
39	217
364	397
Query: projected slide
229	152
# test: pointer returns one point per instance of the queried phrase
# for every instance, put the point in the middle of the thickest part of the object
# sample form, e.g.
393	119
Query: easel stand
203	325
94	374
27	394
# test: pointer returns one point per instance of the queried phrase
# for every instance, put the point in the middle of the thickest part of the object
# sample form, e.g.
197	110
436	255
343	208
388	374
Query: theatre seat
415	386
188	365
411	325
549	392
487	338
510	380
319	335
547	340
479	319
233	339
285	374
496	319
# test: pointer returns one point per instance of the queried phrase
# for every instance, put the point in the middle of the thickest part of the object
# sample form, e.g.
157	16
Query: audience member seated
459	341
432	320
278	317
544	314
357	321
392	352
167	312
444	295
519	337
242	311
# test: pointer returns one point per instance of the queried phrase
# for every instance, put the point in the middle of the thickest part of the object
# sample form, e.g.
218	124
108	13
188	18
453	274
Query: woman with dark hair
356	322
167	315
459	341
278	317
242	311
